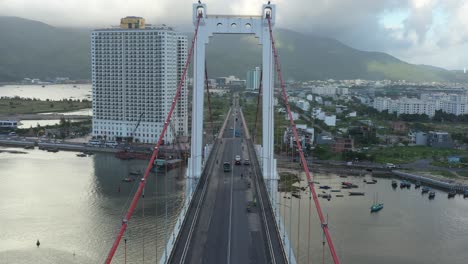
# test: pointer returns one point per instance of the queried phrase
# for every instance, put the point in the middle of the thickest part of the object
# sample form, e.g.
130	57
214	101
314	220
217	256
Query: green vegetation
30	50
31	106
446	174
287	182
398	155
219	108
463	173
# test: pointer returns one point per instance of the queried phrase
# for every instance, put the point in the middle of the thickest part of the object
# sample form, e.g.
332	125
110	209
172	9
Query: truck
238	160
227	167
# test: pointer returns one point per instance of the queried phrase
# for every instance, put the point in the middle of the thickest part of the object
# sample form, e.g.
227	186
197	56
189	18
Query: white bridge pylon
232	24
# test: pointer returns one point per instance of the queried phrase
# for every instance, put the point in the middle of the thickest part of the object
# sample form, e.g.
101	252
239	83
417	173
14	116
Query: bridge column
267	100
195	167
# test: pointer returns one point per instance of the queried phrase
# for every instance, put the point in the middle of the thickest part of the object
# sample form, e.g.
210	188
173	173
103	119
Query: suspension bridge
228	215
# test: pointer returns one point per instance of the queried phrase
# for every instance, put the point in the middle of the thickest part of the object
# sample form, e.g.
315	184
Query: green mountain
34	49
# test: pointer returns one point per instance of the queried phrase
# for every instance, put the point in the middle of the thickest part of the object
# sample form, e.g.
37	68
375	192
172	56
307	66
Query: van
94	143
112	144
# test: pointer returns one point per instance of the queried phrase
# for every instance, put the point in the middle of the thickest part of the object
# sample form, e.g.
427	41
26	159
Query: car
390	166
238	160
246	162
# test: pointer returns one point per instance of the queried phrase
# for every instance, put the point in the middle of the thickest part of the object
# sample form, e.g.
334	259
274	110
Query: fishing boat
431	195
53	150
335	191
326	187
128	179
417	185
81	155
356	193
29	147
465	193
136	173
425	189
404	184
376	206
394	184
452	193
339	195
326	196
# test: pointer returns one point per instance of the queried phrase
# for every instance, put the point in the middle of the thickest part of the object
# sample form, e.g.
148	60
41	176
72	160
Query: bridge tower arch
231	24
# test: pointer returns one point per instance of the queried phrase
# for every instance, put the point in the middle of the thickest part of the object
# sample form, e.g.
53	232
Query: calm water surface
73	205
52	92
409	229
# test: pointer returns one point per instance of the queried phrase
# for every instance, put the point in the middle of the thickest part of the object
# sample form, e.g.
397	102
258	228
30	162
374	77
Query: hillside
34	49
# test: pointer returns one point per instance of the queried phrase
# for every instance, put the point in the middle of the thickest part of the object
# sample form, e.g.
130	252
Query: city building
135	72
341	145
253	79
438	139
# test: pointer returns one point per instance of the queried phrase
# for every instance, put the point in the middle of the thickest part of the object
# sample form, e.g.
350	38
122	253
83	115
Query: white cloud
430	30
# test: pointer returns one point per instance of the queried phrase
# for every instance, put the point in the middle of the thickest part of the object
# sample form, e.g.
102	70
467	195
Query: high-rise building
135	72
253	79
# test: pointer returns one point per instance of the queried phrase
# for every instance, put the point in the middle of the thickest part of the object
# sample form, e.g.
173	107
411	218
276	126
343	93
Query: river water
409	229
51	92
74	207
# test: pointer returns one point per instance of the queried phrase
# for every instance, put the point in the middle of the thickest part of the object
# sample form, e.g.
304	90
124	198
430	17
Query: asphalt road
224	231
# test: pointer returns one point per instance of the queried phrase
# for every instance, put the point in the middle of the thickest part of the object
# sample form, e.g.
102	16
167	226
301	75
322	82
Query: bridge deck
223	230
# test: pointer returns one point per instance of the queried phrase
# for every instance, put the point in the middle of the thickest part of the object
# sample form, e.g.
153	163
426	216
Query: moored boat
376	207
431	195
451	193
326	187
394	184
465	193
417	185
356	193
81	155
425	189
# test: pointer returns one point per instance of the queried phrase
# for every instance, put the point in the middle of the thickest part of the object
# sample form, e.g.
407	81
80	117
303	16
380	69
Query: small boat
339	195
29	147
128	180
335	191
404	184
425	189
356	193
81	155
452	193
136	173
417	185
431	195
298	196
53	150
346	187
376	207
370	182
465	193
394	184
343	176
326	187
326	196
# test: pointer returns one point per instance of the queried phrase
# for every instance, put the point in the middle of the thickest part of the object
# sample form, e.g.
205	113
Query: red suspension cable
139	191
301	153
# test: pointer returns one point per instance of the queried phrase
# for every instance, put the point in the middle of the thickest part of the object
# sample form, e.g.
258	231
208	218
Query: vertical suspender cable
134	202
308	232
258	107
143	217
209	102
299	148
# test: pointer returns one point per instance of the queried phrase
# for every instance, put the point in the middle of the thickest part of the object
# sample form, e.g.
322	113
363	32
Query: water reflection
73	205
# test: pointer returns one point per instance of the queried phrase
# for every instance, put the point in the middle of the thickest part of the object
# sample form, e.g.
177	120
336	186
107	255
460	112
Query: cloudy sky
433	32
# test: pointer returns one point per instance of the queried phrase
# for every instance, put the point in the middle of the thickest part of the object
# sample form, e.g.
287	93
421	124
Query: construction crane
137	125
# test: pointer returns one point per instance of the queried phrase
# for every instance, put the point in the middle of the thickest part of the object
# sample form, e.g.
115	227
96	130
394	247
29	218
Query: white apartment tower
135	72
